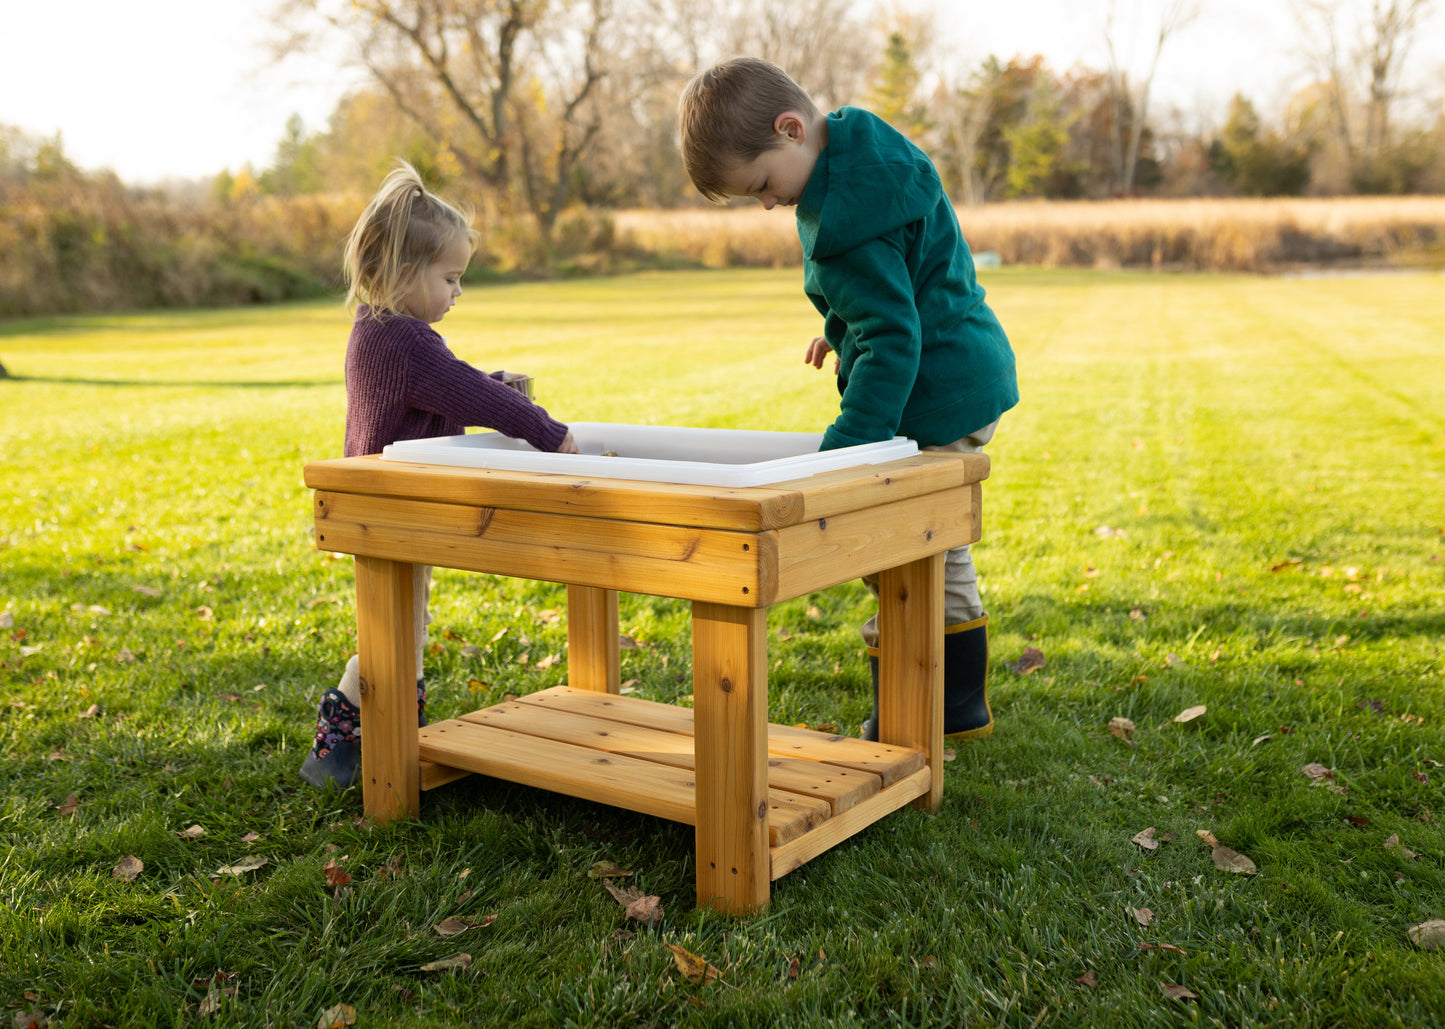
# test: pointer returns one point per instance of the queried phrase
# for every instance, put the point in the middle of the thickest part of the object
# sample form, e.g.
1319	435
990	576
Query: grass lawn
1218	491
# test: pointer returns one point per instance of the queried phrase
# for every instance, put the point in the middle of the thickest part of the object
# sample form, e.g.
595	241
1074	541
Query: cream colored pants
350	684
961	602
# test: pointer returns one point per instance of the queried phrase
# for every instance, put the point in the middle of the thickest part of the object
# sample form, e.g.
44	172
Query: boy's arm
870	290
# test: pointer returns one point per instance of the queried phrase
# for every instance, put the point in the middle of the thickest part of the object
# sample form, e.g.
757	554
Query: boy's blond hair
401	232
726	115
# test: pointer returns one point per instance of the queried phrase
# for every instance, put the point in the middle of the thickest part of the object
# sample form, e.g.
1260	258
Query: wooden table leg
593	658
910	664
390	770
730	725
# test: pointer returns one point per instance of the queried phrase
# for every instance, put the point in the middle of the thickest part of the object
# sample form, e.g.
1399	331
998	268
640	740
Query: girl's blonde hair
401	232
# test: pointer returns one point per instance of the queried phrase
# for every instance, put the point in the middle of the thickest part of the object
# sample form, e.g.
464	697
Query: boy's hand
568	445
817	350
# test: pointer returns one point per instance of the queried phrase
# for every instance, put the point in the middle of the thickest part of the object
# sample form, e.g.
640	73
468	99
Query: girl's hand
817	350
568	445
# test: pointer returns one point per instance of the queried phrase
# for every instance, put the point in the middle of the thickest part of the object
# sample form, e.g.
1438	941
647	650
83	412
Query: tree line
548	113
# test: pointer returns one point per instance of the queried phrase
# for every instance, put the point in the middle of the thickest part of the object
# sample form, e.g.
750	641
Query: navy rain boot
966	714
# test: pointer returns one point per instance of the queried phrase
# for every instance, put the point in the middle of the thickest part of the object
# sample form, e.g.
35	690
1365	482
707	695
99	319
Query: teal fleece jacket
920	353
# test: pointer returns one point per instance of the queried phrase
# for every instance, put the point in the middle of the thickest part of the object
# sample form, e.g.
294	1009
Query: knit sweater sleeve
419	372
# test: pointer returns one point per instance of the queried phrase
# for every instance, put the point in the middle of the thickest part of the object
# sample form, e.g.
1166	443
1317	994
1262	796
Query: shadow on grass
56	380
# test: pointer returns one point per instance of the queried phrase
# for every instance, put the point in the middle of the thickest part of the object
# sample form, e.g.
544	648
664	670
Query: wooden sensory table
763	798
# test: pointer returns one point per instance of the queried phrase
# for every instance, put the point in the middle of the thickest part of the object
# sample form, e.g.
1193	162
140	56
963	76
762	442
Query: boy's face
779	175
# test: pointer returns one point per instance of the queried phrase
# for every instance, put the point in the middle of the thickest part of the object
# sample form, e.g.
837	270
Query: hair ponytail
400	233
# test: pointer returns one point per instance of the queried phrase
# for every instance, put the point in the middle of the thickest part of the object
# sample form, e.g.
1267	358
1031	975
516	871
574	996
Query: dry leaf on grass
1428	935
335	874
246	864
1223	857
194	832
1173	992
70	807
462	961
646	909
32	1019
1393	843
127	868
1317	771
1121	727
457	924
1031	660
1145	838
693	968
337	1016
607	870
1087	979
1190	713
1141	915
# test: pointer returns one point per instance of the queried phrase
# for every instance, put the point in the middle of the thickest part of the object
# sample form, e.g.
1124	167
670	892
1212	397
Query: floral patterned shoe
335	755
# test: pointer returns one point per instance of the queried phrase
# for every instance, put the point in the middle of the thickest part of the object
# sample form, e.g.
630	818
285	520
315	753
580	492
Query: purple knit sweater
403	382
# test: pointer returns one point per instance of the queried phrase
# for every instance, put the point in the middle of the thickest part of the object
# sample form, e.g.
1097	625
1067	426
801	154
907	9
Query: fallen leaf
7	619
546	662
124	656
90	712
337	1017
457	924
1288	563
1317	771
1191	713
246	864
1261	739
212	1001
335	874
1393	843
1428	935
693	968
1145	838
33	1019
607	870
1141	915
1121	727
471	650
793	966
1232	861
204	613
70	807
1031	660
647	910
127	868
1172	992
250	837
1359	820
1087	979
626	642
462	961
149	591
194	832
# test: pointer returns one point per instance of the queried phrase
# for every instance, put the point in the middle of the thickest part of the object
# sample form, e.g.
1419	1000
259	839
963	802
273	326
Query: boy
918	352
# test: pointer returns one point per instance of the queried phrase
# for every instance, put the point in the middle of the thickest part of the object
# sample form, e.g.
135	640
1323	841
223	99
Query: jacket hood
867	182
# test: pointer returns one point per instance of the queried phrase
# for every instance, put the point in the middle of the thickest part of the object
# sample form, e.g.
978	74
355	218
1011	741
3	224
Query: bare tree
1368	73
1131	100
504	84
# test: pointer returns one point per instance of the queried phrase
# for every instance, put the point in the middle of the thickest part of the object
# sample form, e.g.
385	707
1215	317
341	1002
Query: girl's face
439	284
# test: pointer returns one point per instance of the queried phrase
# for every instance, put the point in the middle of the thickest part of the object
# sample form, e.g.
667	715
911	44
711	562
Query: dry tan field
1197	234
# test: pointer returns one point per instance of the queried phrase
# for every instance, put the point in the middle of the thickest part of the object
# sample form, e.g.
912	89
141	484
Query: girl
403	264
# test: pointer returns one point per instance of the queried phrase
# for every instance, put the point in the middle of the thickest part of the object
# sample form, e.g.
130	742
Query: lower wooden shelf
638	754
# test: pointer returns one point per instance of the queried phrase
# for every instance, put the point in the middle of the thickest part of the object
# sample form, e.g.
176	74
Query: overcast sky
156	89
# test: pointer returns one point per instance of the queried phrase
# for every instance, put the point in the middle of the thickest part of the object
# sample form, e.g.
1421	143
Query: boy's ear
790	126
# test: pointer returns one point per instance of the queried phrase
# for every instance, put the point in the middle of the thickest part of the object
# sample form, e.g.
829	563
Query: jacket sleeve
869	288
